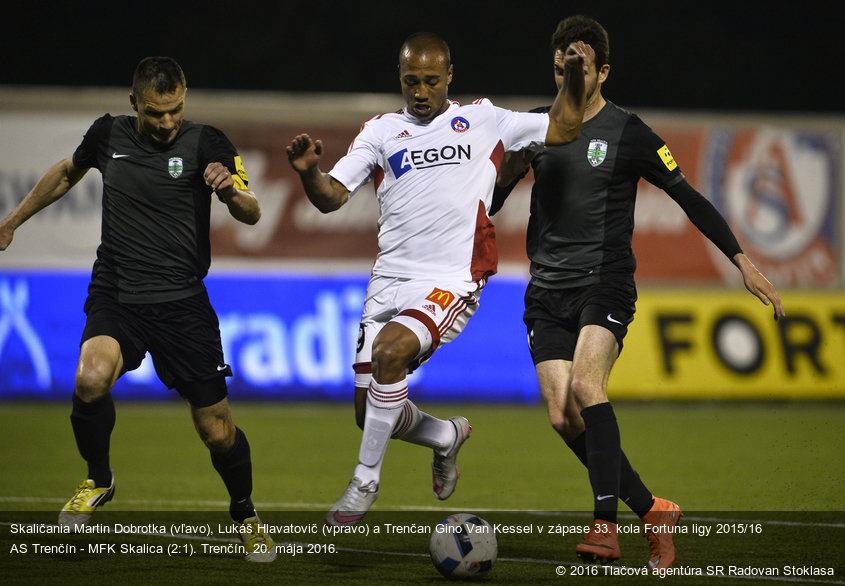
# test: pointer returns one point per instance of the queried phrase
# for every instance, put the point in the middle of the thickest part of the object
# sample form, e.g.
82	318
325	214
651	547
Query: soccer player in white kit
434	165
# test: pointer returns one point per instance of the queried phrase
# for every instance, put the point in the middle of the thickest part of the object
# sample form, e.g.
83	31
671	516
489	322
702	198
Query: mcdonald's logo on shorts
441	297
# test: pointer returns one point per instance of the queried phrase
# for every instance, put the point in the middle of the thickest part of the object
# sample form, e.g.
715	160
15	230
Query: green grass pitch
765	478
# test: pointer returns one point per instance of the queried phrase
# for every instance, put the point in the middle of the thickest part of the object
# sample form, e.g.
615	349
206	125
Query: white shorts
435	311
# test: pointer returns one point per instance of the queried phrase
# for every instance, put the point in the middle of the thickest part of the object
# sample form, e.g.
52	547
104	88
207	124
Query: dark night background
706	55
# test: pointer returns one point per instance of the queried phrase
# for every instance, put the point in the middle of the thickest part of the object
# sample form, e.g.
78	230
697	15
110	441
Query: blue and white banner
286	336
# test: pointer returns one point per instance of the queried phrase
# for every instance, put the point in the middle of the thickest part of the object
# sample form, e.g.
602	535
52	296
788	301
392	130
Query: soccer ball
463	546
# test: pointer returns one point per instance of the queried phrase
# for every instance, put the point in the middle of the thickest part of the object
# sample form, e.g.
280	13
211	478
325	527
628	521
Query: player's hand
218	177
579	54
758	285
514	163
304	153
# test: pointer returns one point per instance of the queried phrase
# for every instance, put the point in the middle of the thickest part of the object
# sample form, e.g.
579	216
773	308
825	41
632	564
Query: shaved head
425	72
428	44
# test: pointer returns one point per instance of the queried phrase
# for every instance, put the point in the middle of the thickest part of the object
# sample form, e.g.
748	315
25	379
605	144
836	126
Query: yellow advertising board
702	344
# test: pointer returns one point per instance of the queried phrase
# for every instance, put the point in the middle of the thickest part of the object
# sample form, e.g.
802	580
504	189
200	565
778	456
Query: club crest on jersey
596	152
175	166
460	124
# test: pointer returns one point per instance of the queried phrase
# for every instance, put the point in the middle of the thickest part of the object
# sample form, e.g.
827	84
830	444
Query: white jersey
434	183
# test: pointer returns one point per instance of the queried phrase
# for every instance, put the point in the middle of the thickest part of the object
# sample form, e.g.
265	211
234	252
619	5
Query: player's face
592	81
425	79
159	115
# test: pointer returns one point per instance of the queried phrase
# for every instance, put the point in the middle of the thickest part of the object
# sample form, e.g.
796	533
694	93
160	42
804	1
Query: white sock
418	427
384	406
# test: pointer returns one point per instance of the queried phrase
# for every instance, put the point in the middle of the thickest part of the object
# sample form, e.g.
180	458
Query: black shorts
554	317
182	337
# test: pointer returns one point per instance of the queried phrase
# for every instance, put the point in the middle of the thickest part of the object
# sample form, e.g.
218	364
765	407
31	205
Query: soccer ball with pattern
463	546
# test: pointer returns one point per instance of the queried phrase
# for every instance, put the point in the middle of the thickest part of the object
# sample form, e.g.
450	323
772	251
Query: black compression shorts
554	317
182	337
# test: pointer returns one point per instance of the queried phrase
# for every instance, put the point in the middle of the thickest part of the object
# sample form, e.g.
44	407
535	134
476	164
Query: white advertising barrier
68	232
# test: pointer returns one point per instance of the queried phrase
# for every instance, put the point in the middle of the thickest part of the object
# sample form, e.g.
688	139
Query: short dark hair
583	28
426	42
161	74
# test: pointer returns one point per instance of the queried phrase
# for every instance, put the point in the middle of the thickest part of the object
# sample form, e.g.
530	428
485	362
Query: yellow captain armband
240	179
667	157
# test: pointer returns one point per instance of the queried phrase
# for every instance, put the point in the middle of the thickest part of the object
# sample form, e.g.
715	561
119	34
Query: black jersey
156	207
582	201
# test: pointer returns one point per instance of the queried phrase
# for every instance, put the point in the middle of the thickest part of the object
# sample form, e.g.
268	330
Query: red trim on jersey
427	322
497	155
364	123
376	117
485	255
363	367
378	176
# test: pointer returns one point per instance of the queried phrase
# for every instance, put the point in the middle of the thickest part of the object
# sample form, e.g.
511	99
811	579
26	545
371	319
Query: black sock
604	457
235	468
579	448
92	426
632	491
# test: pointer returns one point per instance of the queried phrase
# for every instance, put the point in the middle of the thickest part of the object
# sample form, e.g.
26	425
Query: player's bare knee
218	442
586	391
557	421
92	384
216	435
572	427
389	361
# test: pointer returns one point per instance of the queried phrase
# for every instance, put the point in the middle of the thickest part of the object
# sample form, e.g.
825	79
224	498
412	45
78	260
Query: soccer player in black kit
146	291
581	295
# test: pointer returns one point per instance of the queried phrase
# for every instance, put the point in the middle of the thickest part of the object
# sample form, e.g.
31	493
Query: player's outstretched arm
567	111
326	193
758	284
54	184
713	225
242	203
